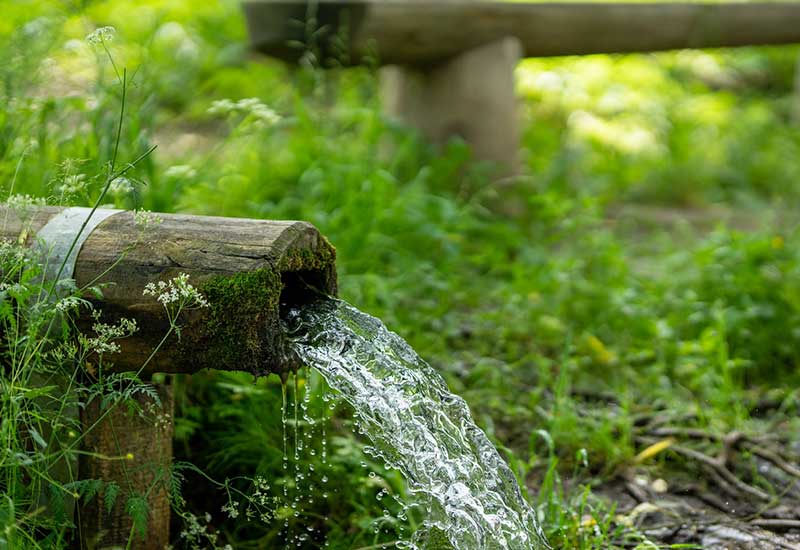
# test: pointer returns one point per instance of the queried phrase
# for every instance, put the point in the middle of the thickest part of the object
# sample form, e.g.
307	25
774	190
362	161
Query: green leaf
110	497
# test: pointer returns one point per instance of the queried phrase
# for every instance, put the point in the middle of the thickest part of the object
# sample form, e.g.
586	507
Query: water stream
417	426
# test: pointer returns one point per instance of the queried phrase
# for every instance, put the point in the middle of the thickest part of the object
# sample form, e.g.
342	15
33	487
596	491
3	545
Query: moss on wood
241	329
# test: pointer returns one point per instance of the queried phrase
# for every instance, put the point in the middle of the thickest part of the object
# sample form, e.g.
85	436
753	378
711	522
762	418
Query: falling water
418	427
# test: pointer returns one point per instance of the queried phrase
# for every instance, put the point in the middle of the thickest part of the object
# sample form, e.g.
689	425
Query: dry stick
775	458
754	445
720	468
718	465
723	484
776	523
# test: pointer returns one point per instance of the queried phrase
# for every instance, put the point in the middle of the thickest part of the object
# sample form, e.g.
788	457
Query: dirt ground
731	492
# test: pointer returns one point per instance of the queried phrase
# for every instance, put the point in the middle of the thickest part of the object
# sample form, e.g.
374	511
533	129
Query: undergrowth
563	326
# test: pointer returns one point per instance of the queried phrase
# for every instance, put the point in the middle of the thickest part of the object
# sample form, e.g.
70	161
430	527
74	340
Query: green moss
305	259
241	329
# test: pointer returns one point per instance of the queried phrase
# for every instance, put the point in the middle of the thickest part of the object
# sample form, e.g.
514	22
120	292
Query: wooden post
133	449
470	96
245	268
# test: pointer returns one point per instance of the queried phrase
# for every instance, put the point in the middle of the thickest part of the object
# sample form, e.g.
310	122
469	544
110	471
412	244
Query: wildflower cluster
106	335
73	184
196	534
13	254
120	186
145	219
260	504
161	420
101	35
176	291
68	303
180	171
20	201
252	108
231	509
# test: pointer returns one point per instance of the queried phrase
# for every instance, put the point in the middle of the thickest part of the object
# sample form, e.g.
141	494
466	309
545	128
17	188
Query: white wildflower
73	184
120	186
68	303
145	218
125	327
222	107
101	35
232	509
25	201
176	291
195	533
251	108
265	116
106	334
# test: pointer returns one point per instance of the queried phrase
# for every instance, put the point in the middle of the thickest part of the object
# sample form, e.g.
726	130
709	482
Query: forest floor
717	501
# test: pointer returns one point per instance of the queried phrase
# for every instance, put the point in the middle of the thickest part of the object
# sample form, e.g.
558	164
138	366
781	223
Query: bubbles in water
418	427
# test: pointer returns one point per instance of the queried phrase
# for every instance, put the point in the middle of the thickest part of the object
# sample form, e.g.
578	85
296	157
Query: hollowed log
244	268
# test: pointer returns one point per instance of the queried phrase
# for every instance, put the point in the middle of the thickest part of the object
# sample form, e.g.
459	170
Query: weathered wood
419	32
243	266
133	449
470	96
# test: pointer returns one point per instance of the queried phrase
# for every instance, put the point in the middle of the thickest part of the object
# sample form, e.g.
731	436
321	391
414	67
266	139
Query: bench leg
471	96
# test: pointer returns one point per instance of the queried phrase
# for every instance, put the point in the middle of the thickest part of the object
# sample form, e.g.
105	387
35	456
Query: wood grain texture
420	32
132	448
216	253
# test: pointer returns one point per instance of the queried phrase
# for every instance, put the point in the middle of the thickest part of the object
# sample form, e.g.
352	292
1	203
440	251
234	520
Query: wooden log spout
245	268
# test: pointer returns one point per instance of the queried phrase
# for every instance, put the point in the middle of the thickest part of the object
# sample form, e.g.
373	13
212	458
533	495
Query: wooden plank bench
454	60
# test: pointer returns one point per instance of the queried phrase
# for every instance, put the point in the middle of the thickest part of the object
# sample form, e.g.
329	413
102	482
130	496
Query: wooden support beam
419	32
455	78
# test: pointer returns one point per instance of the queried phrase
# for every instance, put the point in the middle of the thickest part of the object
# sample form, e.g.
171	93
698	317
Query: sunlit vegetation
643	274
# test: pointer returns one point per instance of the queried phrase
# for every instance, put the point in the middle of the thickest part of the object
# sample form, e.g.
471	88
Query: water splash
418	427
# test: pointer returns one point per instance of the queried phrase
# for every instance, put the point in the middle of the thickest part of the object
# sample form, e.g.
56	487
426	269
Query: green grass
562	326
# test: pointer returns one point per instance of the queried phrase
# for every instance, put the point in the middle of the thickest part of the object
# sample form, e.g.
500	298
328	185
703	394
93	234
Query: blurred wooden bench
454	59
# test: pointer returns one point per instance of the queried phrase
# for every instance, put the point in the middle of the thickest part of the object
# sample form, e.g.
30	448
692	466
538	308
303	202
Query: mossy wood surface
419	32
242	266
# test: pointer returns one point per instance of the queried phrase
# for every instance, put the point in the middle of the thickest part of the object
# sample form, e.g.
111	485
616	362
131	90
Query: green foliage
560	325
